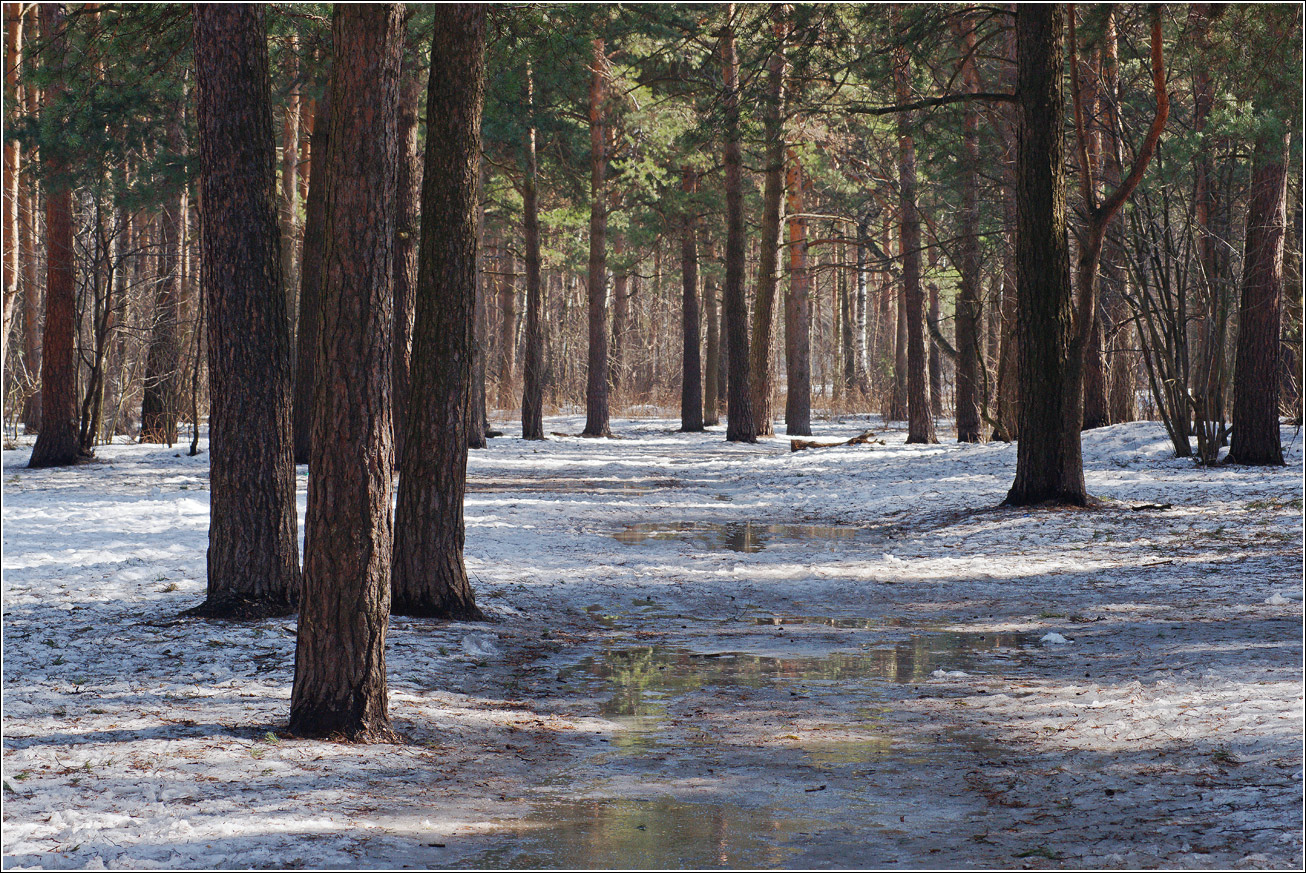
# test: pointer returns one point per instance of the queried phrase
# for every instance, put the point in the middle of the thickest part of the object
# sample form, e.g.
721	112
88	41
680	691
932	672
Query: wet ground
701	655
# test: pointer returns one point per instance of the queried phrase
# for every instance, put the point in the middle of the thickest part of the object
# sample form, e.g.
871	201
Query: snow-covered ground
702	654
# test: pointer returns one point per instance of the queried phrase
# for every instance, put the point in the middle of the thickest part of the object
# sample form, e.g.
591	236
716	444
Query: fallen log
861	439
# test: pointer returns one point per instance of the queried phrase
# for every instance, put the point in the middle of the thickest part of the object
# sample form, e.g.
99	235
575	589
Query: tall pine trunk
596	387
739	412
969	295
311	271
691	378
762	360
798	311
429	575
1255	437
340	681
532	404
1049	463
712	353
920	420
253	567
57	444
161	401
406	217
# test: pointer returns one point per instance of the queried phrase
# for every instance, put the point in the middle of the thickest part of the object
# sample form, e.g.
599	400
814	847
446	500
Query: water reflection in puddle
760	800
656	834
744	536
641	678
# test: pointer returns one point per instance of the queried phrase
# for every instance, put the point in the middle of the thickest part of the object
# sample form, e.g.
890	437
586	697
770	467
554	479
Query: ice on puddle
480	646
949	674
1276	599
1052	638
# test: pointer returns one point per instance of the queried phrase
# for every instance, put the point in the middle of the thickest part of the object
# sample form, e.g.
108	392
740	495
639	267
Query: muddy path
700	656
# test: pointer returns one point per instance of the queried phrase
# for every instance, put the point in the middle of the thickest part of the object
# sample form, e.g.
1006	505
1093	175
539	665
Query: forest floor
701	655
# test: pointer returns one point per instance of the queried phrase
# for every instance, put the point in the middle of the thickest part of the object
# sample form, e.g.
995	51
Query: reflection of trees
656	834
634	674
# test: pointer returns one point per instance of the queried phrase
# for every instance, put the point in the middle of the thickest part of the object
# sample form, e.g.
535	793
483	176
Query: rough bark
798	311
761	367
310	284
596	386
253	568
429	576
739	413
57	444
969	296
1255	439
920	421
532	404
409	189
1049	463
691	378
340	681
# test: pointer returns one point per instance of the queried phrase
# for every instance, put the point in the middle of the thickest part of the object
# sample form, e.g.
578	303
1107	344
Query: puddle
641	679
655	834
744	536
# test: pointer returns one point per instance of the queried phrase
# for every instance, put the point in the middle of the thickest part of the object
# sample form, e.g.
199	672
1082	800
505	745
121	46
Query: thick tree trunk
311	272
762	345
798	311
596	387
408	194
340	681
1255	437
920	421
1049	465
532	404
430	578
691	378
57	444
253	568
739	413
969	297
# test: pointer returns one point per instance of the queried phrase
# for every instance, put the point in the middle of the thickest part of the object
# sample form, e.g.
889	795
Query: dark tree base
330	726
241	609
1249	460
605	434
462	611
699	429
61	459
1051	501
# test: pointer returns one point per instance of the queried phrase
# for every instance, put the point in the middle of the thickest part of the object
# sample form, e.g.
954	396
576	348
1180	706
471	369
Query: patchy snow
702	654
